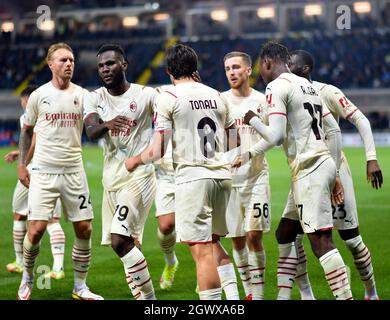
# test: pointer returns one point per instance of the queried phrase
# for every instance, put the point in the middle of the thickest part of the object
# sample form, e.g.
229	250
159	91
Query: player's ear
267	63
124	66
249	71
306	69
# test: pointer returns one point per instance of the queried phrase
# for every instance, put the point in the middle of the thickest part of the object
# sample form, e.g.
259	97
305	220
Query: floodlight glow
129	22
313	10
362	7
219	15
161	16
47	25
7	26
266	12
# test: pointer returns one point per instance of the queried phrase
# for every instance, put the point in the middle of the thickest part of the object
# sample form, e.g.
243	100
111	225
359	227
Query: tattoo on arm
25	144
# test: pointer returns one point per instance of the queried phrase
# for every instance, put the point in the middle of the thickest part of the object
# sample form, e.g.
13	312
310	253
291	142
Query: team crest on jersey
133	106
76	102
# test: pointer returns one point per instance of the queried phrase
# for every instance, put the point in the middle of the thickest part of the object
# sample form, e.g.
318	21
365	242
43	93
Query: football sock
19	232
132	286
135	265
30	254
257	270
228	279
302	277
287	265
241	259
363	264
81	256
211	294
57	243
336	274
167	245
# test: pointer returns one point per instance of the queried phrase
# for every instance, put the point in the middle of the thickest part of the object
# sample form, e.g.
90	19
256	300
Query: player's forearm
335	146
25	141
96	131
363	125
260	148
273	134
30	153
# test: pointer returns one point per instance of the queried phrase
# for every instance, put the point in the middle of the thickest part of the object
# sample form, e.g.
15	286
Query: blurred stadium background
350	41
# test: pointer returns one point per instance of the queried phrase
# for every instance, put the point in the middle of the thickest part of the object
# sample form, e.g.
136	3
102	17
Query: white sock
30	254
19	232
336	275
135	265
227	275
81	257
167	245
363	264
256	261
132	286
302	277
211	294
241	259
287	268
57	243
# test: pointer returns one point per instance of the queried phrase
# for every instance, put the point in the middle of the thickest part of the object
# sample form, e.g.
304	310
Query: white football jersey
335	100
296	98
58	119
198	116
164	166
251	172
136	104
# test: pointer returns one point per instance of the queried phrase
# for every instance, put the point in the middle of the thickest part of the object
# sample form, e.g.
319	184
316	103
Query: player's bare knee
166	227
83	229
321	242
121	244
19	217
35	233
254	240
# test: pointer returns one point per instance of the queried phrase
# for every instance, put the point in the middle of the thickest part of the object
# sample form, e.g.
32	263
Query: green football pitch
106	276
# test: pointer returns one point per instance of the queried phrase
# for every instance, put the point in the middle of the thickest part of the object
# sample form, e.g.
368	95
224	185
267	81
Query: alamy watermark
45	15
343	20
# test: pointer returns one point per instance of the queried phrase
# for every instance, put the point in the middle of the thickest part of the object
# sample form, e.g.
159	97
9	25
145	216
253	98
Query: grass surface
106	275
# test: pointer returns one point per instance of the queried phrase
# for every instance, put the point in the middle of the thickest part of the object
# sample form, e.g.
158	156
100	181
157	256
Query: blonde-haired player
249	209
20	209
55	110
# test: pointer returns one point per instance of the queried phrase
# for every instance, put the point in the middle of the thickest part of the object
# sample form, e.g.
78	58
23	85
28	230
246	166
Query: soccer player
20	209
55	110
165	212
294	115
248	212
122	114
345	216
197	117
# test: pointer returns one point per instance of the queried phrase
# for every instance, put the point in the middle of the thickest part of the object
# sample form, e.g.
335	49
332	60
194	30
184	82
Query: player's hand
131	164
337	193
248	116
120	123
241	159
196	76
11	156
24	176
374	174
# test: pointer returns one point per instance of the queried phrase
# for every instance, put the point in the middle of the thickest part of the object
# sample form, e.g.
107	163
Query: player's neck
120	89
282	68
243	91
59	83
183	80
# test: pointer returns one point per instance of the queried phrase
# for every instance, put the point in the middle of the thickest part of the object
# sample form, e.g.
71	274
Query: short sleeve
276	98
337	102
31	114
163	112
90	103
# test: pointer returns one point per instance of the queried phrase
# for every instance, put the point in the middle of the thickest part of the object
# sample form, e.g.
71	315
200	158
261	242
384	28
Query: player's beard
115	81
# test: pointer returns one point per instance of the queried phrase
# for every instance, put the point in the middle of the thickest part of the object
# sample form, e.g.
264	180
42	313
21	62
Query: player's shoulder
326	89
46	87
285	80
257	94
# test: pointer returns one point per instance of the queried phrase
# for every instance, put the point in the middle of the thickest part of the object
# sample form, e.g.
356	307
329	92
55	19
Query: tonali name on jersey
203	104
